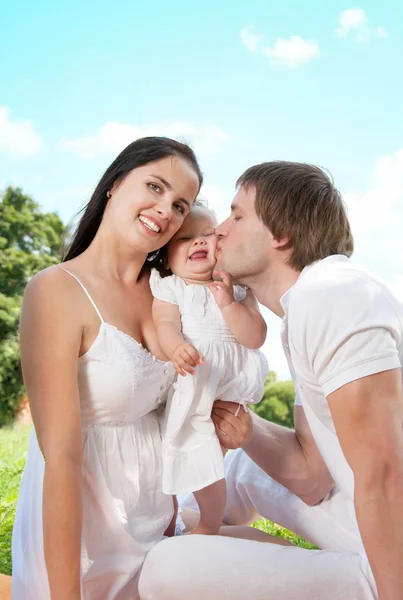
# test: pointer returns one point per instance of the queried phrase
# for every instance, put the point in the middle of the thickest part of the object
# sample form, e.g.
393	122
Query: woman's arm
167	321
243	318
50	344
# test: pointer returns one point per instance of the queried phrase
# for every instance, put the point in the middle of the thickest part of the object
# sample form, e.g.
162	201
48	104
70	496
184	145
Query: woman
91	504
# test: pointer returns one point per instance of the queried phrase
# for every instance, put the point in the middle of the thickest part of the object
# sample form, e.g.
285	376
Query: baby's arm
243	318
167	321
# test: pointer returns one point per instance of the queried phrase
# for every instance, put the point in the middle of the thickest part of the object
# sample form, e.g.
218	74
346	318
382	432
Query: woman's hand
233	430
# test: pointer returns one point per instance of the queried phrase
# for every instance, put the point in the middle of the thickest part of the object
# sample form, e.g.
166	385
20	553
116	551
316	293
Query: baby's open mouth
199	255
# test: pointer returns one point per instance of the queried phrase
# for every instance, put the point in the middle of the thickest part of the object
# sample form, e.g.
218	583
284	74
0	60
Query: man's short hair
299	201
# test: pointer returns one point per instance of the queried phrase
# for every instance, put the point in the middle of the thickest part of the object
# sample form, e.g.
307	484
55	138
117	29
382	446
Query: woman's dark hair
137	154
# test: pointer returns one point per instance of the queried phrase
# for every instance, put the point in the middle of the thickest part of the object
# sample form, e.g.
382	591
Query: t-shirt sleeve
163	288
351	332
297	401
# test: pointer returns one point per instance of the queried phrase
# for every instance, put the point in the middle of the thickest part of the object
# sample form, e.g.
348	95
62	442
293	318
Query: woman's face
150	204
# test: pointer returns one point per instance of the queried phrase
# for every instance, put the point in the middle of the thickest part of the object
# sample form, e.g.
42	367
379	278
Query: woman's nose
164	209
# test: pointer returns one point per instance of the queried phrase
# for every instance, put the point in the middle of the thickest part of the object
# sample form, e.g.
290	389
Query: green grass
13	449
277	531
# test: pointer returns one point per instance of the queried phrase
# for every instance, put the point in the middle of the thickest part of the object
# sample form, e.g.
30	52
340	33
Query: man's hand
185	357
222	291
233	425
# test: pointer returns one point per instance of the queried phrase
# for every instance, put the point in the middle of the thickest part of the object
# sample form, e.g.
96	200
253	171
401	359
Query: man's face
244	242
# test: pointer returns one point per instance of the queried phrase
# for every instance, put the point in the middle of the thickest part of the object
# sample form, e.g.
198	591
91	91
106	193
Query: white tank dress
125	512
192	457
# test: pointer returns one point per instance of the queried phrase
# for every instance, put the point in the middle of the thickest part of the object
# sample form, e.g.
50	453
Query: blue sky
243	81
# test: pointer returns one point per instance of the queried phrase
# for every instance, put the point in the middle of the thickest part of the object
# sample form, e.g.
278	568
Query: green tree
29	242
277	404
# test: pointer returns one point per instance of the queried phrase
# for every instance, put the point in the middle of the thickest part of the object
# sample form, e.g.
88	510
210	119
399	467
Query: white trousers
200	567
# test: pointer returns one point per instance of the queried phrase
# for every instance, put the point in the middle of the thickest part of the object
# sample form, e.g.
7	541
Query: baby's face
191	252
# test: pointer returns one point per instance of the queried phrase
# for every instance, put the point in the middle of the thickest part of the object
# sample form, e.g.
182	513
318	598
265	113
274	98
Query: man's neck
270	286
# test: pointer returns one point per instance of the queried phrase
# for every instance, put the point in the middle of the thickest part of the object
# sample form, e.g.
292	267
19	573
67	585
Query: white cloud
112	137
397	286
382	32
354	22
376	218
292	52
18	138
250	40
217	200
352	19
378	207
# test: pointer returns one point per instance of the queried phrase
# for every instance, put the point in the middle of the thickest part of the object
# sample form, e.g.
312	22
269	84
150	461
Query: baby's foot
203	529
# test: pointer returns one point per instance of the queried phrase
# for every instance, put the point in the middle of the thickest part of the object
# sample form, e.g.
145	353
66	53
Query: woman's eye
237	218
179	207
154	187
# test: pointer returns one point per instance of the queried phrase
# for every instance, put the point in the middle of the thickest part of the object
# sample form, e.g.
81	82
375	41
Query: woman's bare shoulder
53	278
52	288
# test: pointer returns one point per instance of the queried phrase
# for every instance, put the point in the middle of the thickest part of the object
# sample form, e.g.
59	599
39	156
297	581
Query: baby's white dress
192	457
125	512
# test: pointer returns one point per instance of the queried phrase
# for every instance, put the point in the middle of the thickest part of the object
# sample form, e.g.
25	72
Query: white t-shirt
340	323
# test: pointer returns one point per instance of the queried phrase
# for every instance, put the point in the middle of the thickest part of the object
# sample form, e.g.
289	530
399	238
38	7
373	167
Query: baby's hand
222	291
185	356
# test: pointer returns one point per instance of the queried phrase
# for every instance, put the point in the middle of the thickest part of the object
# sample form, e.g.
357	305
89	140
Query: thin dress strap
87	293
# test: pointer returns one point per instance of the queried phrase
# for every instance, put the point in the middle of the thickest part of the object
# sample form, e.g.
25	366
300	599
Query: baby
210	330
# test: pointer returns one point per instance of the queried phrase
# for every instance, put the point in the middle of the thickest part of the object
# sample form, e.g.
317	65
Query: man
338	478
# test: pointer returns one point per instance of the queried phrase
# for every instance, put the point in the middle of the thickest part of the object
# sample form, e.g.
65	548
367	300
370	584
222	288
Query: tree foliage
29	242
277	404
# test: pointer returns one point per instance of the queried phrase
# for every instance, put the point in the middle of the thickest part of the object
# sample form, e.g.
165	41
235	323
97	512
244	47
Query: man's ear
281	242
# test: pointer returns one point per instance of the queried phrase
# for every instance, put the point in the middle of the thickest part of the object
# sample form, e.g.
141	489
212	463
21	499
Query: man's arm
290	457
368	416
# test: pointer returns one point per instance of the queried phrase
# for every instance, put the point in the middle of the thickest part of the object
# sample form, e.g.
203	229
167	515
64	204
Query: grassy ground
13	449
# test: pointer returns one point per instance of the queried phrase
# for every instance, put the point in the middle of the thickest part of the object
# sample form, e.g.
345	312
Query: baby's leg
211	500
